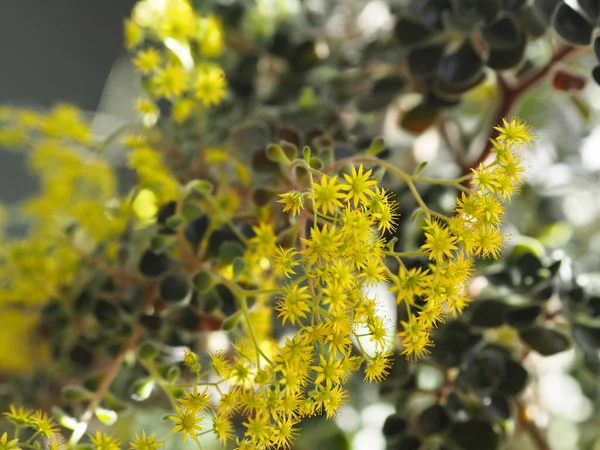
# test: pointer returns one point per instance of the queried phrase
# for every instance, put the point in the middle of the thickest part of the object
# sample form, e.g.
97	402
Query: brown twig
536	434
102	391
509	96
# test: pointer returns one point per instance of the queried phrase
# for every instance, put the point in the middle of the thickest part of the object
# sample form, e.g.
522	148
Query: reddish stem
509	96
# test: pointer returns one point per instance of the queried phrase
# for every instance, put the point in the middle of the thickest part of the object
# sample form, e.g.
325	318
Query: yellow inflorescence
452	244
181	70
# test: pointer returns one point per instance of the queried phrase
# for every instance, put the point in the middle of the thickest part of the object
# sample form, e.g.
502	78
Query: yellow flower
146	106
323	243
259	429
186	422
209	85
195	402
182	110
133	34
514	132
170	82
284	262
292	201
411	283
43	423
358	185
5	444
327	194
439	242
294	304
378	367
328	371
105	442
147	61
144	442
285	433
223	428
264	239
210	37
19	416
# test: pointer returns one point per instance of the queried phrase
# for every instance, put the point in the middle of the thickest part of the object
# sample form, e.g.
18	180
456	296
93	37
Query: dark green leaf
195	231
394	425
174	287
203	281
498	406
545	341
573	27
229	250
591	8
515	379
410	32
522	317
474	435
593	306
503	58
587	336
424	61
502	33
488	313
433	420
461	66
154	264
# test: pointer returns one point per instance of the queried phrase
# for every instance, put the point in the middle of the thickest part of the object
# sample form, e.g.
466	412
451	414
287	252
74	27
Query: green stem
404	254
246	314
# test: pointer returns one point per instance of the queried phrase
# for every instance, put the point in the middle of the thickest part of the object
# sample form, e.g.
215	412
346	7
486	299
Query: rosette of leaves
450	45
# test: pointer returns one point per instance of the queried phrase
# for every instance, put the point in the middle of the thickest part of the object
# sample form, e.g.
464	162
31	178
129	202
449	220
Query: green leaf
106	416
276	154
522	317
474	434
238	266
488	313
173	374
545	341
63	418
420	168
306	152
315	163
203	281
377	145
433	420
230	322
174	222
148	350
588	337
204	187
142	389
229	250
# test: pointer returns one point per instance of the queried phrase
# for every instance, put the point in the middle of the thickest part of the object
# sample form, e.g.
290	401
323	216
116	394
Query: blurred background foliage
521	369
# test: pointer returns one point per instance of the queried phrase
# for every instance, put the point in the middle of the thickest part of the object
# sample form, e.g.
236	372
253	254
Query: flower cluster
43	426
77	207
181	69
453	243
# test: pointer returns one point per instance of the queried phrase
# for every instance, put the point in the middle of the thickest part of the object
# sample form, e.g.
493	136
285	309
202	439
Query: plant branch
99	395
509	96
535	433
